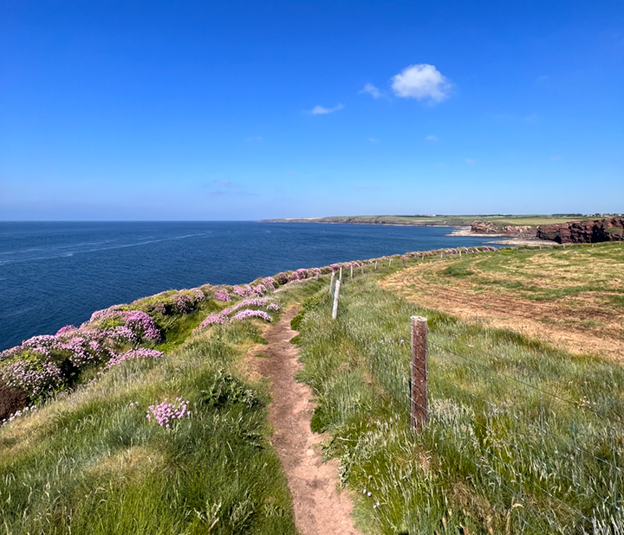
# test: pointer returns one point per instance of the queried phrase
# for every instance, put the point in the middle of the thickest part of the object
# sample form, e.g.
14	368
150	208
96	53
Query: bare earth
319	508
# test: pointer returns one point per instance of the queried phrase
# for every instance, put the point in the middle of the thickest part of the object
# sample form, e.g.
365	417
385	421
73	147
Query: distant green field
450	220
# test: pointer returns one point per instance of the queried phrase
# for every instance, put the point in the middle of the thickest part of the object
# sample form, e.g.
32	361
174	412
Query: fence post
351	276
375	265
418	394
336	298
340	277
390	263
331	283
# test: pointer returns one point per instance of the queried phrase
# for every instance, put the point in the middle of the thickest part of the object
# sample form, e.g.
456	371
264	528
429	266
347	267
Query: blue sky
243	110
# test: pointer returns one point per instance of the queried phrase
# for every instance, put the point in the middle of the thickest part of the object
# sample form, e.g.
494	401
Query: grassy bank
92	462
522	437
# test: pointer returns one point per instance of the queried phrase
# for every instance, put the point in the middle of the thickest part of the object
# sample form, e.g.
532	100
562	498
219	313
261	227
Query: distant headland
559	228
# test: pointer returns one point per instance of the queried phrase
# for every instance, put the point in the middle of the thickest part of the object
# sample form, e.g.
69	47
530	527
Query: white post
390	263
336	298
440	254
351	276
331	283
375	265
340	278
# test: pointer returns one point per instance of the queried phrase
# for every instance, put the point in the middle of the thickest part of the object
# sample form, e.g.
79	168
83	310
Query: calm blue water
54	274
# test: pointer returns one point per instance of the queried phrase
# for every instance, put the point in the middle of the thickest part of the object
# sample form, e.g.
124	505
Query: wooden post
418	394
331	283
375	265
351	276
336	299
440	254
390	263
459	252
340	278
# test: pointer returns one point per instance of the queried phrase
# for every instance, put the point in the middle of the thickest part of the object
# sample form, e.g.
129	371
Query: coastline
519	241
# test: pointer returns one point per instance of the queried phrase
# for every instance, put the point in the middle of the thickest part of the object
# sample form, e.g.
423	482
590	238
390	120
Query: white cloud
371	90
422	82
431	138
468	160
320	110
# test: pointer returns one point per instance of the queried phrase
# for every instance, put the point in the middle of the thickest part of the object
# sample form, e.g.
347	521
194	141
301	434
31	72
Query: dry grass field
572	299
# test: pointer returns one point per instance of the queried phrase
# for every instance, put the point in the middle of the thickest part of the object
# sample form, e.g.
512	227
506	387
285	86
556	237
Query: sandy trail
319	508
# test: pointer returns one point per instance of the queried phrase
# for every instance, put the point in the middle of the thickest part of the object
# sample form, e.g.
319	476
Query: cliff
599	230
485	227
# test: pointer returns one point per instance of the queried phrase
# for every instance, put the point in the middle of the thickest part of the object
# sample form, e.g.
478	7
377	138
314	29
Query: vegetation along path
319	508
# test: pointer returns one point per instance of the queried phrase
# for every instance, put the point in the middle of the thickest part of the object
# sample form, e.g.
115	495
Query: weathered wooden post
418	394
340	278
390	263
375	265
441	252
331	283
336	299
351	276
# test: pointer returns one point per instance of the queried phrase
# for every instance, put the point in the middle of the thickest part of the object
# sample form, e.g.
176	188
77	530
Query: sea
58	273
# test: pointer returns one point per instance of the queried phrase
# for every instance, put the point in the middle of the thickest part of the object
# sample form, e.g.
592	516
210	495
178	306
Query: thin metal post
418	394
336	299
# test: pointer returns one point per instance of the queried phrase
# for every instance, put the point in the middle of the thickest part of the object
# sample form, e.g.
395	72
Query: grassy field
444	220
92	462
572	298
522	437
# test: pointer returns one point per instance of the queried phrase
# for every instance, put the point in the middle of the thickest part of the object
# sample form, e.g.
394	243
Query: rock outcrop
599	230
484	227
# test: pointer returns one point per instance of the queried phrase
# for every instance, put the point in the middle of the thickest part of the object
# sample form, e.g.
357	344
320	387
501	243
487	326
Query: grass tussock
522	438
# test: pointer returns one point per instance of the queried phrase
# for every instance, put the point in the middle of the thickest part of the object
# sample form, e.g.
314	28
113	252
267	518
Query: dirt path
319	508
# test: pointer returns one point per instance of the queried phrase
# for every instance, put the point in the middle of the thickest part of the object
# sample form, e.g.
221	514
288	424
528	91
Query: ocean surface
54	274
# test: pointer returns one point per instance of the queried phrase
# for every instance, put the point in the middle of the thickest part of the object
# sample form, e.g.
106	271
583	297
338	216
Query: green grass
502	451
91	463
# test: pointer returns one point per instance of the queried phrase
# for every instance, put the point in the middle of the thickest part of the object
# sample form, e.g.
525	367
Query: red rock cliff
595	231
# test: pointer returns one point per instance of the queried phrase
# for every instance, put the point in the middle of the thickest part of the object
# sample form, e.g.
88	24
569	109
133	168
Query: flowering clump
269	282
66	329
246	314
183	303
35	378
166	413
242	291
220	319
222	295
141	353
259	289
255	302
139	323
281	277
